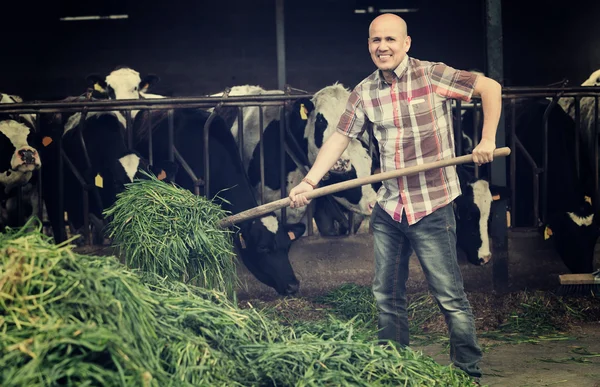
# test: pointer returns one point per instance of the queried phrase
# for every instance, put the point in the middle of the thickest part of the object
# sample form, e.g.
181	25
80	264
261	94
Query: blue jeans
433	239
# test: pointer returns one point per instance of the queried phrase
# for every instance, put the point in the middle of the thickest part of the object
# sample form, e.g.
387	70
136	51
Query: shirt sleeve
352	122
451	83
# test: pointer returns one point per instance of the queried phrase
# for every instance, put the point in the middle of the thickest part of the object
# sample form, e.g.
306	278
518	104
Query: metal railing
510	96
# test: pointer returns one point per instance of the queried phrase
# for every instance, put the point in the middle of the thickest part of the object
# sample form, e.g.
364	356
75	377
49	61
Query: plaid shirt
412	121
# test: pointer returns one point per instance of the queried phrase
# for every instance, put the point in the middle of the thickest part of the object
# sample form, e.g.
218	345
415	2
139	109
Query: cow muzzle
292	289
485	259
342	166
25	159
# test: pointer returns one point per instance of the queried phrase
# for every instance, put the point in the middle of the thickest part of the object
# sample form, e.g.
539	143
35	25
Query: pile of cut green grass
164	229
71	319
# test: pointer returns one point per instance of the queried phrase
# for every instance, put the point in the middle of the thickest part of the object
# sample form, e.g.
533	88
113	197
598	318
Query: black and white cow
570	222
19	162
263	243
587	128
124	83
108	166
472	212
297	116
329	105
18	147
272	147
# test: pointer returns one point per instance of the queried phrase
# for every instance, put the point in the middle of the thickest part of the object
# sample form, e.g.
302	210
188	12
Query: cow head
122	83
574	235
593	80
329	105
264	247
472	211
18	156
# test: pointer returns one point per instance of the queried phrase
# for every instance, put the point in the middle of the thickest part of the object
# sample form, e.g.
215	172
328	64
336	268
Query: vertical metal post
282	127
280	30
60	205
240	121
261	165
40	213
458	128
577	103
596	130
513	159
129	128
495	70
150	145
171	135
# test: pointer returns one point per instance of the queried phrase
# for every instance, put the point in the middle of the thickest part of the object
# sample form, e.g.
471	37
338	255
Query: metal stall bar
544	203
261	141
577	102
282	131
458	128
536	179
596	130
150	140
513	158
240	119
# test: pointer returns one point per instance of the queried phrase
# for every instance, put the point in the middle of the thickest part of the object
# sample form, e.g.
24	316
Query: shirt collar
399	71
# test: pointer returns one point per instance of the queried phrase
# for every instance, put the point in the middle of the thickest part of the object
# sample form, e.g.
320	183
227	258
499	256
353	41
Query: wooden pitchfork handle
360	181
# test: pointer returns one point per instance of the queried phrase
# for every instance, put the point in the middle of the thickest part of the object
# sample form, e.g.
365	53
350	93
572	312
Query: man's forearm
491	102
330	152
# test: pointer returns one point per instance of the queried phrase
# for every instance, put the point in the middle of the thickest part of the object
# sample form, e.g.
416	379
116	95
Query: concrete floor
325	263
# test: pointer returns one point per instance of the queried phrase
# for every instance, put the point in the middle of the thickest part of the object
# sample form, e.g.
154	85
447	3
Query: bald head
390	22
388	43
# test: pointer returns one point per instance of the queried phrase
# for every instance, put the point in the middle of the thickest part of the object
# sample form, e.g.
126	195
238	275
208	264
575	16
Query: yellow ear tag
588	199
291	235
99	181
99	88
46	141
547	233
242	241
496	197
162	175
303	112
507	218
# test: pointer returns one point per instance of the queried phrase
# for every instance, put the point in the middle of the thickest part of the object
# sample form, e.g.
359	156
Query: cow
19	164
569	220
97	161
472	211
263	243
297	116
272	148
587	128
329	105
124	83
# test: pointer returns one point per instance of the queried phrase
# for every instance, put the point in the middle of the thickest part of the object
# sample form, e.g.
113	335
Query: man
408	102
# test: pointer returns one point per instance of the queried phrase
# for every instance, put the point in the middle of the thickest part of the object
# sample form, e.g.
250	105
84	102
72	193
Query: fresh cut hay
78	320
166	230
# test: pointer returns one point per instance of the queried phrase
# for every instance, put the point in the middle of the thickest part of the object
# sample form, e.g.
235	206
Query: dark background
201	47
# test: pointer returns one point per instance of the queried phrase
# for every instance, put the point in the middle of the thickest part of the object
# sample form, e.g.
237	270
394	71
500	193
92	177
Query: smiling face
388	42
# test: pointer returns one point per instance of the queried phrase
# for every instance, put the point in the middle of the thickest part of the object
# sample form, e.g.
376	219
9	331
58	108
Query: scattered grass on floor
520	317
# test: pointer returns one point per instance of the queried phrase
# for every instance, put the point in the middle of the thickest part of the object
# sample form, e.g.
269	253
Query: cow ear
295	230
96	83
165	170
303	107
499	192
148	82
